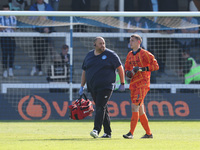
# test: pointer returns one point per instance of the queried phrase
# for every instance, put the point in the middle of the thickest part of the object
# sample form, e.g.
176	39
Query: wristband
145	69
122	83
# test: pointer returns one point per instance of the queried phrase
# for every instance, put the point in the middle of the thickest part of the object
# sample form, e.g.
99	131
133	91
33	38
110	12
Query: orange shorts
138	95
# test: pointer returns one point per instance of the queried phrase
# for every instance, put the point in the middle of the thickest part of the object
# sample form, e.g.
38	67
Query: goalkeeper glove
144	69
136	69
129	74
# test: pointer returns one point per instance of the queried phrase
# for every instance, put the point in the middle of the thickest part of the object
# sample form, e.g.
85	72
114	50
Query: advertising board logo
34	107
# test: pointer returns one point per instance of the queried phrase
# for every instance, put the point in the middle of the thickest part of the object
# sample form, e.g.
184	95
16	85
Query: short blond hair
137	37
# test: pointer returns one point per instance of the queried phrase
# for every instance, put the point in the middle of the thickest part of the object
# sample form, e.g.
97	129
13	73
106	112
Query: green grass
72	135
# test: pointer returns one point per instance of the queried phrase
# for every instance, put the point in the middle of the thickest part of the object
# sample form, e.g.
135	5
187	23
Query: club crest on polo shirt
104	57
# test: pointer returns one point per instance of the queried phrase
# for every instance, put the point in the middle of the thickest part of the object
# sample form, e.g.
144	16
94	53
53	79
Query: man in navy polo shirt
99	72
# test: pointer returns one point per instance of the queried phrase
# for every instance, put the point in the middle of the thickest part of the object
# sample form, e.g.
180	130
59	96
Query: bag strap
83	95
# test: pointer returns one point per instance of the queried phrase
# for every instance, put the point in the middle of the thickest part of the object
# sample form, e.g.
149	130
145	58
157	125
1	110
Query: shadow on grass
71	139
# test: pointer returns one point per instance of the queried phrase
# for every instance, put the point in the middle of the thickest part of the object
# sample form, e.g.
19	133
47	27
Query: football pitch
74	135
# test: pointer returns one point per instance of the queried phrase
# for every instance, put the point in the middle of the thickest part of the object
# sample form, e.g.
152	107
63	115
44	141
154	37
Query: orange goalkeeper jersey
142	58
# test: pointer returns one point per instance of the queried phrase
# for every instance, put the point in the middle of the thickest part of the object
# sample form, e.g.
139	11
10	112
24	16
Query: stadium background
161	103
66	5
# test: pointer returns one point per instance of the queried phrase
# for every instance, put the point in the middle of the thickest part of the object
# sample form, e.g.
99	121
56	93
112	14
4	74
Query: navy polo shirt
100	70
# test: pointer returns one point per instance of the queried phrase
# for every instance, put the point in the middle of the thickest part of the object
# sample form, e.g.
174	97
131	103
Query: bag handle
83	95
79	100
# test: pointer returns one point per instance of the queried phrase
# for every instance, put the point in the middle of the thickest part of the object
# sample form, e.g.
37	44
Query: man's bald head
99	44
97	38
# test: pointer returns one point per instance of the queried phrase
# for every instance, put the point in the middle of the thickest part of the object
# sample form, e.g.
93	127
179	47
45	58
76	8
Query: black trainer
105	135
128	136
146	136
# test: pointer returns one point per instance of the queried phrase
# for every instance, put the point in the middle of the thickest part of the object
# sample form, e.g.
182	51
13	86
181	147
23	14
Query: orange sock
134	120
145	124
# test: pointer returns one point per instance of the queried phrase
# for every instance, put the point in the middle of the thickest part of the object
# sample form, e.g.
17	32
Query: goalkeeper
138	66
